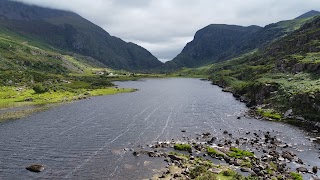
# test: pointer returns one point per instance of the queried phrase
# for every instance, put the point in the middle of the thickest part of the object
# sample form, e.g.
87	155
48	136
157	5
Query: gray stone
35	168
302	169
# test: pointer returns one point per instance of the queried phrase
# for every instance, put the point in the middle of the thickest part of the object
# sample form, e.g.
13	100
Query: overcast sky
165	26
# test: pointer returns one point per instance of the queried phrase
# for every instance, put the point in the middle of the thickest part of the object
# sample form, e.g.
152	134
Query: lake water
86	139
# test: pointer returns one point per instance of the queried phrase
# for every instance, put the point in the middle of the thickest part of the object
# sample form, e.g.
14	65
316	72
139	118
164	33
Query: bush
182	147
202	173
229	173
39	89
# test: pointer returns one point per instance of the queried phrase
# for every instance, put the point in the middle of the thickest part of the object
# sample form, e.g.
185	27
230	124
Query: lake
90	139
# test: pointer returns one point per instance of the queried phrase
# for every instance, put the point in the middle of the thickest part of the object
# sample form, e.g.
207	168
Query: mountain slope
282	78
212	43
308	14
68	31
220	42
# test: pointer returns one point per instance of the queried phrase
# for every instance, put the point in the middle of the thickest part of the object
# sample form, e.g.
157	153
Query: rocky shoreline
287	117
258	155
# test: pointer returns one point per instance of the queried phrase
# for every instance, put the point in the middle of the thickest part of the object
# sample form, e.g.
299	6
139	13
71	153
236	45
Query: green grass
22	113
296	176
213	152
182	147
268	113
238	153
10	97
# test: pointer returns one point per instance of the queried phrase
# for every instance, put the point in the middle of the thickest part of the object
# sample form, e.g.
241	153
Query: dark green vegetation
70	33
279	72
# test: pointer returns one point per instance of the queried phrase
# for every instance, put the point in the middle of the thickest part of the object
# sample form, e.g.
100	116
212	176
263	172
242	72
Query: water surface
86	139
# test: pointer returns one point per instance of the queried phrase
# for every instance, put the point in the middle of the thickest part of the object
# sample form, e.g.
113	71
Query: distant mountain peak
309	14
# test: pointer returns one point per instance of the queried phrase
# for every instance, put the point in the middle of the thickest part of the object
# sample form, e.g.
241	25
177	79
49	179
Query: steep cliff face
70	32
214	43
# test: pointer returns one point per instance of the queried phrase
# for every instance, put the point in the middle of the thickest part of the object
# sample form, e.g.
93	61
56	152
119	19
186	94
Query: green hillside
69	32
31	75
217	42
284	76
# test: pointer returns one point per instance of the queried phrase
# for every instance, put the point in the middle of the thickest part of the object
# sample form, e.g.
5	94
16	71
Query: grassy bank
13	98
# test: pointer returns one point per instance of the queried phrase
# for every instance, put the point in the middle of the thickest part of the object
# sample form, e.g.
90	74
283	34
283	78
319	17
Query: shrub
202	173
39	89
229	173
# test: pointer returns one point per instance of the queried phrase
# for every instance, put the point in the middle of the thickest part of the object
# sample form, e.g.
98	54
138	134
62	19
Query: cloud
165	26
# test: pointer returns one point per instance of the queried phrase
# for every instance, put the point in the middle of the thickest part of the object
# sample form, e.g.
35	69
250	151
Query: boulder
28	99
135	153
35	168
288	155
216	170
174	157
302	169
315	169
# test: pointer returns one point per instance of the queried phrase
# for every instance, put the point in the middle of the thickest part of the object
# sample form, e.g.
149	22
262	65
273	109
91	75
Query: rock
191	157
225	132
28	100
281	167
283	145
183	131
35	168
315	178
237	141
315	169
302	169
288	155
153	154
299	161
174	157
216	170
237	162
300	119
212	140
135	153
314	131
313	139
288	113
245	169
256	170
238	117
206	135
227	159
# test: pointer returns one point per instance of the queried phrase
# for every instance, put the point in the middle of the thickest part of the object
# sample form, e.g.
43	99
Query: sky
165	26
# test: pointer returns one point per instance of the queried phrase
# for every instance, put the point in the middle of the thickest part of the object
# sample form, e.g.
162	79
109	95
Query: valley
238	102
